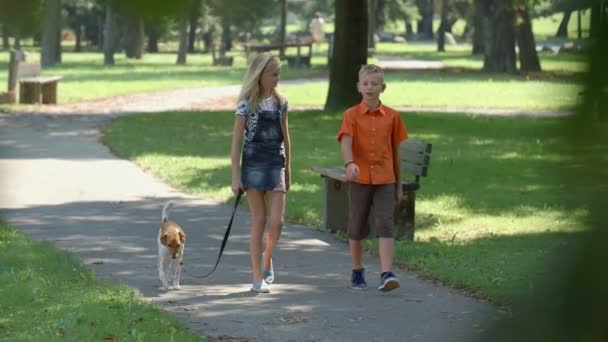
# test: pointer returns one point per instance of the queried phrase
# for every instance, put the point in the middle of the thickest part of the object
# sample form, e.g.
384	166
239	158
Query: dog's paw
177	287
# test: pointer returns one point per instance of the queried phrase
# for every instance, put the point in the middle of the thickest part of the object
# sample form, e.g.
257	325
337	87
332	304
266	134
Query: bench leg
49	93
405	216
29	92
335	206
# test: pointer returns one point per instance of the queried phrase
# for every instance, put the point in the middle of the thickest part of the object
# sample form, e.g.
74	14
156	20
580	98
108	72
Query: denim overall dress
263	161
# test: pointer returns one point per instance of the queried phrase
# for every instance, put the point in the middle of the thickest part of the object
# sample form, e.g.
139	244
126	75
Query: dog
171	245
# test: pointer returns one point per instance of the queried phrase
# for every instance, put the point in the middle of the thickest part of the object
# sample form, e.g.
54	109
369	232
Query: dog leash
236	204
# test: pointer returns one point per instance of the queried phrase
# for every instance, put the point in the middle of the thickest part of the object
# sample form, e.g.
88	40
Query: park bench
222	59
33	88
300	59
415	156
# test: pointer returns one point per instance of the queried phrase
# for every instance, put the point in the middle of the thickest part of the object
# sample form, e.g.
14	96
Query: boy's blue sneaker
388	282
357	280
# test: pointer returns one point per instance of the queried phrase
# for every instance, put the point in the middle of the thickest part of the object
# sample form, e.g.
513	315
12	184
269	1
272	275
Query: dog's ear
163	239
182	237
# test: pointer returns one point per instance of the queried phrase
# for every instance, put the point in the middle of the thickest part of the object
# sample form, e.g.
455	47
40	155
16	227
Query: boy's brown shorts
361	197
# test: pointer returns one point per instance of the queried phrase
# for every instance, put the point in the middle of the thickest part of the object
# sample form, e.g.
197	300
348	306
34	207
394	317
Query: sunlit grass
494	194
45	294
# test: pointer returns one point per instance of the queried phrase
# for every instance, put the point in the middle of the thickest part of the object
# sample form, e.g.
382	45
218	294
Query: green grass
46	295
492	210
154	72
446	89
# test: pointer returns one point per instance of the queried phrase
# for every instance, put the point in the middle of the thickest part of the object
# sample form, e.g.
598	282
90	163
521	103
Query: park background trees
501	31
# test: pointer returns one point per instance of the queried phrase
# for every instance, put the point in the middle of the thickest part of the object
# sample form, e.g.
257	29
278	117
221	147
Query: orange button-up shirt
375	133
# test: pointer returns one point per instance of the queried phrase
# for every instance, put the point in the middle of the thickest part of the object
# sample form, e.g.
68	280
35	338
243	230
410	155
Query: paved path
60	184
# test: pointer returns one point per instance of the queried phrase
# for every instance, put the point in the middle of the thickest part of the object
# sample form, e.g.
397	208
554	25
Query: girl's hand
236	186
352	171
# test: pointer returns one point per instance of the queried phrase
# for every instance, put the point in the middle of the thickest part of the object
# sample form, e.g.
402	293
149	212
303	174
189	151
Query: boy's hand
352	171
398	195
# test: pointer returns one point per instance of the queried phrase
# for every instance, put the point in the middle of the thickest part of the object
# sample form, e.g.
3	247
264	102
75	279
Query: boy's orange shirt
375	134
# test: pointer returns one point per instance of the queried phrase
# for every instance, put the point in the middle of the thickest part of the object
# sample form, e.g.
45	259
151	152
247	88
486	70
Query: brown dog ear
182	237
163	239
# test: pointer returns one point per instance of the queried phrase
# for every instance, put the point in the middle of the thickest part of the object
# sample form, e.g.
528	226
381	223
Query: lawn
45	294
461	85
492	210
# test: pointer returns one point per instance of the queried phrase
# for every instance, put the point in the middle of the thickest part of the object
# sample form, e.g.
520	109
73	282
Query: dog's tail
166	209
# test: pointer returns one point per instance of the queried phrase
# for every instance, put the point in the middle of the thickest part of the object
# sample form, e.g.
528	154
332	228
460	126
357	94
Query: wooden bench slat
40	79
334	172
416	146
415	157
414	169
25	69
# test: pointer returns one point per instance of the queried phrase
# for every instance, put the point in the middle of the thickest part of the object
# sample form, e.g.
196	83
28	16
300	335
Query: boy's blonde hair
371	69
261	63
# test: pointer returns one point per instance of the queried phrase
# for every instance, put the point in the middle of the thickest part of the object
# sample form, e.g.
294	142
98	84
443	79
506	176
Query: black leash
236	204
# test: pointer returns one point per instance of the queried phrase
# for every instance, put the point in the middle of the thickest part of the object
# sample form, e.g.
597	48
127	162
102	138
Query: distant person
370	137
261	121
317	28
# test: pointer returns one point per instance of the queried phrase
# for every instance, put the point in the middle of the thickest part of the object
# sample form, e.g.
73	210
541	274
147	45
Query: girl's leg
276	213
255	198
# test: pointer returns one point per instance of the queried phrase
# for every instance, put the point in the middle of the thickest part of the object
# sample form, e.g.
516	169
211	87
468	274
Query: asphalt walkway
59	183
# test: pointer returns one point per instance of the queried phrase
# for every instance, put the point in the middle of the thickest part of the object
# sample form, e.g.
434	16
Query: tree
134	35
349	53
193	21
443	27
108	35
570	303
425	25
283	25
528	57
182	51
499	35
20	19
50	51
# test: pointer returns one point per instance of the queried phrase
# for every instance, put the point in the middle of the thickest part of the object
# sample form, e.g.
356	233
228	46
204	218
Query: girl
261	119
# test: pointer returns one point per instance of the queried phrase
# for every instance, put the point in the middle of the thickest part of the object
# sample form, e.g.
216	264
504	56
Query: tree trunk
528	57
372	7
499	36
579	26
562	30
5	43
17	40
478	35
152	41
226	36
78	33
596	19
283	27
409	30
134	44
442	27
108	36
183	41
425	25
50	50
195	14
349	53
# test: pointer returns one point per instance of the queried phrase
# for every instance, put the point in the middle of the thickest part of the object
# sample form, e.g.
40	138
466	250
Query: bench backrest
415	157
28	69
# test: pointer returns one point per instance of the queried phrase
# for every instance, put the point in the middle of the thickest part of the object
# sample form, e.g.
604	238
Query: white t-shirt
317	29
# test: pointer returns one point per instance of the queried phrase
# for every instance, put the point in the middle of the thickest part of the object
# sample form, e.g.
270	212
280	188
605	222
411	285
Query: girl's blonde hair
261	63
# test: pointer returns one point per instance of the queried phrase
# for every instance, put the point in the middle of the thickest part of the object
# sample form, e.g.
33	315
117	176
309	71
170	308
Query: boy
370	136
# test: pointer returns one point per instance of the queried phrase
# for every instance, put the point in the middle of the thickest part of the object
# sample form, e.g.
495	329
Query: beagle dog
171	244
